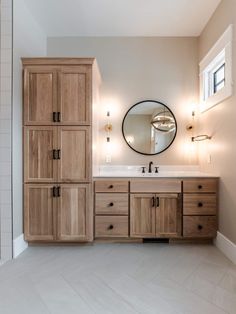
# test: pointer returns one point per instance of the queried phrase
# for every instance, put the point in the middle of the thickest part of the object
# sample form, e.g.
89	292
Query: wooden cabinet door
39	165
40	95
74	213
75	95
142	215
39	207
168	215
75	157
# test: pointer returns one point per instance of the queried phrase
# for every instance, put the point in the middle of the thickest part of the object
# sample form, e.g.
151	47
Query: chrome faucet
150	167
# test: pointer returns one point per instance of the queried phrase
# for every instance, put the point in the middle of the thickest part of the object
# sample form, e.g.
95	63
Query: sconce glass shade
164	122
201	137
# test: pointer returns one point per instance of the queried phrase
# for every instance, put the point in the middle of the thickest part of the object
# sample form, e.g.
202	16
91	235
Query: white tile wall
5	129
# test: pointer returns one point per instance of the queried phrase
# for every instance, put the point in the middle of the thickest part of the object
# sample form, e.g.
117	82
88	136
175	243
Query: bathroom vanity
172	208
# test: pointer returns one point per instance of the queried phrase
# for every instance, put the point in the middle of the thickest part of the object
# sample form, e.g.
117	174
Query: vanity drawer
199	204
112	186
199	226
155	186
200	186
111	226
111	203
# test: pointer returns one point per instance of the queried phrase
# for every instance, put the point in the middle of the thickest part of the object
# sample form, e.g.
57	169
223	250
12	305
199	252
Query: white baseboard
19	245
227	247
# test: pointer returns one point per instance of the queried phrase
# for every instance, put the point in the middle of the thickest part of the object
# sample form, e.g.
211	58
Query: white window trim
224	44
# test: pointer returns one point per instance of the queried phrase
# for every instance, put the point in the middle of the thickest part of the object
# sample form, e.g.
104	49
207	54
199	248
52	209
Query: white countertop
164	172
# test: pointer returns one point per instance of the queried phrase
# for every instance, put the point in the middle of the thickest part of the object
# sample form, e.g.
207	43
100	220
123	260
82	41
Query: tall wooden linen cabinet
58	95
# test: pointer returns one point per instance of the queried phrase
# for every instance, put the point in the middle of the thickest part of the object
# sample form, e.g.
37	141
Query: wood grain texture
57	61
111	203
155	186
39	142
111	186
199	204
199	226
168	216
74	212
201	185
40	95
142	216
75	164
111	226
39	211
75	95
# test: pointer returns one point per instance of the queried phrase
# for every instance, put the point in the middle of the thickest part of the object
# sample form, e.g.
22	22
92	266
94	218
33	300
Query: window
216	72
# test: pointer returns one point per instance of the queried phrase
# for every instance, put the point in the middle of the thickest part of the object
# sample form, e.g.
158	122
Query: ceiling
122	17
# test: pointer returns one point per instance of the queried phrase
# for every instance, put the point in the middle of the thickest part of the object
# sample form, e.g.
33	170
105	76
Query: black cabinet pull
200	187
54	116
153	201
200	204
111	204
54	191
58	191
110	186
58	154
58	117
200	227
157	202
110	227
54	154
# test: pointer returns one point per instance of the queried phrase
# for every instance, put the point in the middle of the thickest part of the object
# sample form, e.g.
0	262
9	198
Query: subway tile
5	140
6	70
5	98
6	14
5	154
6	252
6	225
5	112
6	28
5	83
6	56
5	183
5	126
5	168
6	211
5	197
6	239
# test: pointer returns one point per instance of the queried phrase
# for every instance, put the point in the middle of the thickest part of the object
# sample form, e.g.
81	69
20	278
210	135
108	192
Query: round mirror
149	127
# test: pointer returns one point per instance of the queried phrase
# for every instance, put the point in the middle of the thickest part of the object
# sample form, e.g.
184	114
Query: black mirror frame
138	103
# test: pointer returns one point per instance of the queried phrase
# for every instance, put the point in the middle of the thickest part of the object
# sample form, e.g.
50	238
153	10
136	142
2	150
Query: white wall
135	69
220	123
28	41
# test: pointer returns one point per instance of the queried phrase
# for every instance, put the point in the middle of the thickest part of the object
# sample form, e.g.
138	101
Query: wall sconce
201	137
108	129
197	138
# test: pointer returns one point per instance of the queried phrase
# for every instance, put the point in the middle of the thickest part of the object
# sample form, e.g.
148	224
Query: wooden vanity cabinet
200	207
58	95
155	215
111	209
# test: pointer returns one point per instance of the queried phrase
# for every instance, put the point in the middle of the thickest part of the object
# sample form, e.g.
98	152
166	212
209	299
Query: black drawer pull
54	117
153	201
111	204
110	227
58	191
200	187
200	227
54	154
200	204
54	191
110	186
